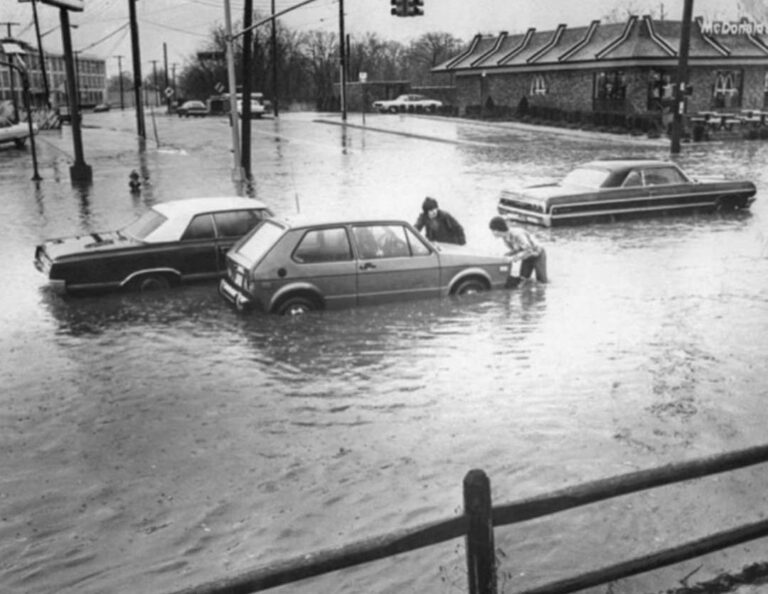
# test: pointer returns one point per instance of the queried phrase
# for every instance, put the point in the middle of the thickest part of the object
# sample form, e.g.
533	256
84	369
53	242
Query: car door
231	226
394	264
196	256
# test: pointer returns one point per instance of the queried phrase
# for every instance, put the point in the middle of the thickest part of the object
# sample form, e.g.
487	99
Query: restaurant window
726	90
538	85
765	89
661	90
611	85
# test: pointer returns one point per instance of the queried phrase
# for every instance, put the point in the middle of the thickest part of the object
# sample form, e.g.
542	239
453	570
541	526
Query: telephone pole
136	51
342	61
154	81
682	76
120	74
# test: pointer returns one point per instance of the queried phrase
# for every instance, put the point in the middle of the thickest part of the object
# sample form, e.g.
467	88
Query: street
157	441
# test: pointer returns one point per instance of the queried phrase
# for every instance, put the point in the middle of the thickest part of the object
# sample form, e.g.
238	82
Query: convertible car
607	190
173	242
290	269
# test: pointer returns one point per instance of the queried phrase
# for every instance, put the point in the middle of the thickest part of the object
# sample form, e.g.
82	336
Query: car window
633	179
586	177
201	227
381	241
660	176
144	225
254	246
235	223
416	243
323	245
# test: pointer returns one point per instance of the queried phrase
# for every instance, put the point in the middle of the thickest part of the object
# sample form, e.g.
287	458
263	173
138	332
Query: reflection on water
164	439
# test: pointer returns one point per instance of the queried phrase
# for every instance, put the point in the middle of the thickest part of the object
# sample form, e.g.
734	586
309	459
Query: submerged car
289	269
171	243
608	190
192	109
410	103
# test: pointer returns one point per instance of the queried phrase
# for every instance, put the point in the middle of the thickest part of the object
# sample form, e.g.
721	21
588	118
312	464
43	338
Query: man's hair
498	224
428	204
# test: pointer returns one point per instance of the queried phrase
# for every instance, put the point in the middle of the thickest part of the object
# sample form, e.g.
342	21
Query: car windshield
586	178
258	243
142	227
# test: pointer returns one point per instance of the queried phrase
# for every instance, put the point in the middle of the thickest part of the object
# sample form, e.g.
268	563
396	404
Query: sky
184	25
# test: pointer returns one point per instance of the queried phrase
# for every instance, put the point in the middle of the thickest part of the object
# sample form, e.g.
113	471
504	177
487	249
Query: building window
611	85
661	90
726	90
538	85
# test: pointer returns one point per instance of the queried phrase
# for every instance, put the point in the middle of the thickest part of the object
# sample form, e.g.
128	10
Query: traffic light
398	7
414	7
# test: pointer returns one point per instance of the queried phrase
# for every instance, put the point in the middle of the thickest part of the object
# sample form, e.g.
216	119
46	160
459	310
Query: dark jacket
443	228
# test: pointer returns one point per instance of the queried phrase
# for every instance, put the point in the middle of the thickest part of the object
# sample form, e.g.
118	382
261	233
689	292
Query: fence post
481	551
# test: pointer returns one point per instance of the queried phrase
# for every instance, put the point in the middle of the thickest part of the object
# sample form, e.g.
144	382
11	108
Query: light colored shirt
521	244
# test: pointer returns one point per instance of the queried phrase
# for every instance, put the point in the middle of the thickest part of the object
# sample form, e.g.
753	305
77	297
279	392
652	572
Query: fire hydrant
134	182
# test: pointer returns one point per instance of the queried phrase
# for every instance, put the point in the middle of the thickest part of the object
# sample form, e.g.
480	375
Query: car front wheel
152	282
470	287
296	306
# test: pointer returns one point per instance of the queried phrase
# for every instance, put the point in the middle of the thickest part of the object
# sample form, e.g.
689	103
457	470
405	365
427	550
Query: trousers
537	264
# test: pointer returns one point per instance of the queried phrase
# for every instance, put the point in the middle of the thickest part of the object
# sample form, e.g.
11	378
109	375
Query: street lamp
11	48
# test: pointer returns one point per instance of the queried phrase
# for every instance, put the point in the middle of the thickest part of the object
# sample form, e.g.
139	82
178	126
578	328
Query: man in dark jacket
439	225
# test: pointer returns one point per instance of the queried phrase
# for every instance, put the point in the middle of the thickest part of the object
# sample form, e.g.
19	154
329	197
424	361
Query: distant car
16	133
192	109
408	103
173	242
290	269
611	189
102	107
258	105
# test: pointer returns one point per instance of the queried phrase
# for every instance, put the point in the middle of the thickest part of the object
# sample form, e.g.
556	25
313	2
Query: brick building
620	69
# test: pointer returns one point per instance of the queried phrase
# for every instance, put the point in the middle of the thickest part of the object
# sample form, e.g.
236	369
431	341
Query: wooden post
481	551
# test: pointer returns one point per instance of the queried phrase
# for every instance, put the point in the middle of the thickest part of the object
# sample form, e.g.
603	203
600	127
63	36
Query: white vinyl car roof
180	212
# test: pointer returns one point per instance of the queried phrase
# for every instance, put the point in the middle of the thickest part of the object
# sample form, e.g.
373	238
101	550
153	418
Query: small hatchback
287	268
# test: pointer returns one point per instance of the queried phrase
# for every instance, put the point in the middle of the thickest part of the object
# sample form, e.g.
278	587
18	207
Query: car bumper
240	300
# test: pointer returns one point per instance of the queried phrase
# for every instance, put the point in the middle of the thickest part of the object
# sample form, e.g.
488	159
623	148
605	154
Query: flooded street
154	442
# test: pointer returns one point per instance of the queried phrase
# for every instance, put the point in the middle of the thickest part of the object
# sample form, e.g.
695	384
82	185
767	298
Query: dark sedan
192	109
607	190
173	242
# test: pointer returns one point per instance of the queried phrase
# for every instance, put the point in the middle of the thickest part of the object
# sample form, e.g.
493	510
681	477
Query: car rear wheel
470	286
152	282
296	306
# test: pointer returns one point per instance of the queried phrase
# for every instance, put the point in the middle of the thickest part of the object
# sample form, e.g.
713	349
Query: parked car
192	108
171	243
409	103
258	105
16	133
290	269
607	190
102	107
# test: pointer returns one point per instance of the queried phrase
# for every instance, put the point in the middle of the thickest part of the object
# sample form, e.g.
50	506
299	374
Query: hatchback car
171	243
290	269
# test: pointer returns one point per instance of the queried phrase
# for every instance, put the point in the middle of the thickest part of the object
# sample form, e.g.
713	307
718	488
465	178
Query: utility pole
80	171
42	56
237	173
136	52
274	62
342	61
165	76
154	81
246	82
682	76
120	74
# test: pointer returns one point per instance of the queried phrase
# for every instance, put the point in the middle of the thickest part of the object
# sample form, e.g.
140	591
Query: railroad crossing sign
219	87
168	92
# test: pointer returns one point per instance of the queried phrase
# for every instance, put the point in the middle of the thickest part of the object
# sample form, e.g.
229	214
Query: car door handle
367	266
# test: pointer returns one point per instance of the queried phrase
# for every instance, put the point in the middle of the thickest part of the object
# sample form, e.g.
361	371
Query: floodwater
155	442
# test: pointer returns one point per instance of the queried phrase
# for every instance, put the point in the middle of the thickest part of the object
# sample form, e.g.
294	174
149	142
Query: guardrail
480	517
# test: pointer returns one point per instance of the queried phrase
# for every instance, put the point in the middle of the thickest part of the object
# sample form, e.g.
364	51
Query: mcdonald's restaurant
617	74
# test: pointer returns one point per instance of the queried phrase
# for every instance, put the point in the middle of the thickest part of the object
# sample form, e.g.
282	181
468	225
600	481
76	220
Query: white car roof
180	212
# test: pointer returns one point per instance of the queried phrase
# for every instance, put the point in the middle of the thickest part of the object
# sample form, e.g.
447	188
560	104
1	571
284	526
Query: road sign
363	77
168	92
219	87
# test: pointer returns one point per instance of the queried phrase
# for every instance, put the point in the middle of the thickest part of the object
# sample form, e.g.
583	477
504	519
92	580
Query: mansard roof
640	40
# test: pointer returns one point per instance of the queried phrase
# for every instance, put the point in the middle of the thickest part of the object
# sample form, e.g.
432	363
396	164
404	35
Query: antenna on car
295	191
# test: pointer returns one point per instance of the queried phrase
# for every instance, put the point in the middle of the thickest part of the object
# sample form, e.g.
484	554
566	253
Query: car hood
87	244
451	254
